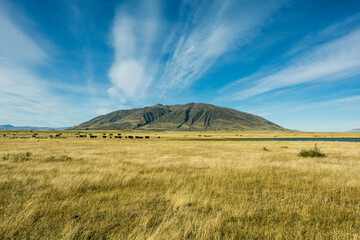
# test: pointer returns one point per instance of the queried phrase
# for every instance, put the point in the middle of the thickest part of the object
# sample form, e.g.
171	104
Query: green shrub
313	152
265	149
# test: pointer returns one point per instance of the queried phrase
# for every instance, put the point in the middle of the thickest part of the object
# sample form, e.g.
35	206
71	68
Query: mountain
11	127
189	117
355	130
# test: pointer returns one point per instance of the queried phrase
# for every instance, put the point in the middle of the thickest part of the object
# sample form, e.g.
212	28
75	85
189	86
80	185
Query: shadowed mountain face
189	117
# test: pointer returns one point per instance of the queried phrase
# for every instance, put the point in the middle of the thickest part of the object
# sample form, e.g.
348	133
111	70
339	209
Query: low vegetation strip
164	189
17	157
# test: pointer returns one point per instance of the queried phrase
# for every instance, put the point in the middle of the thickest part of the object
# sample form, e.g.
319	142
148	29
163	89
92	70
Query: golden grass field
179	186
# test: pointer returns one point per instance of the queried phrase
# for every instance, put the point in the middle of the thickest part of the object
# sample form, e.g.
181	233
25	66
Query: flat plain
183	185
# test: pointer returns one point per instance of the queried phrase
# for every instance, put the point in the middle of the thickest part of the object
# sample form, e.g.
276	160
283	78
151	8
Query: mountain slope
188	117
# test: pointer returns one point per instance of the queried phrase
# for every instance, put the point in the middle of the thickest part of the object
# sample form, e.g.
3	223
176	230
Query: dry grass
173	189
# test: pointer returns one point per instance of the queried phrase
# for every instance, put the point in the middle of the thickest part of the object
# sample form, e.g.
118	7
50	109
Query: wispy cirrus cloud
340	103
153	53
16	46
333	60
21	90
211	30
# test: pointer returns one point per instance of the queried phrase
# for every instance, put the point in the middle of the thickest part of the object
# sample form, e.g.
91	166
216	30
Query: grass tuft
313	152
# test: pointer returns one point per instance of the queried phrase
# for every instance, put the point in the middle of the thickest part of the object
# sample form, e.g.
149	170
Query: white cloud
130	74
334	60
134	36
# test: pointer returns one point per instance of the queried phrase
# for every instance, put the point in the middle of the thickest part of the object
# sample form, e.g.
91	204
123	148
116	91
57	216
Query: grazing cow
119	134
104	136
126	137
4	135
147	137
158	136
93	136
131	137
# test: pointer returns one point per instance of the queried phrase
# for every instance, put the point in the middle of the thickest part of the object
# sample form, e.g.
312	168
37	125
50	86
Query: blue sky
296	63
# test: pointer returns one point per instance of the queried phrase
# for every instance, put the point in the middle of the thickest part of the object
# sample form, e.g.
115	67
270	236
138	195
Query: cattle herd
111	135
78	135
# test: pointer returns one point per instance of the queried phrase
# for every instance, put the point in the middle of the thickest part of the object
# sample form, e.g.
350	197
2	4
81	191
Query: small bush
313	152
265	149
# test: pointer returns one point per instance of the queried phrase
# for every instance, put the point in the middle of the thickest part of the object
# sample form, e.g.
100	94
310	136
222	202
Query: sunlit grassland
169	188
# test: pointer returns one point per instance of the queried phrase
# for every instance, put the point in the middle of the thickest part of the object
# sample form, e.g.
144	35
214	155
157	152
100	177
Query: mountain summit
188	117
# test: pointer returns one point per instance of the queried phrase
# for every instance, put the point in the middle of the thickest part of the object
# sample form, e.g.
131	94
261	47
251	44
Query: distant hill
189	117
355	130
11	127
